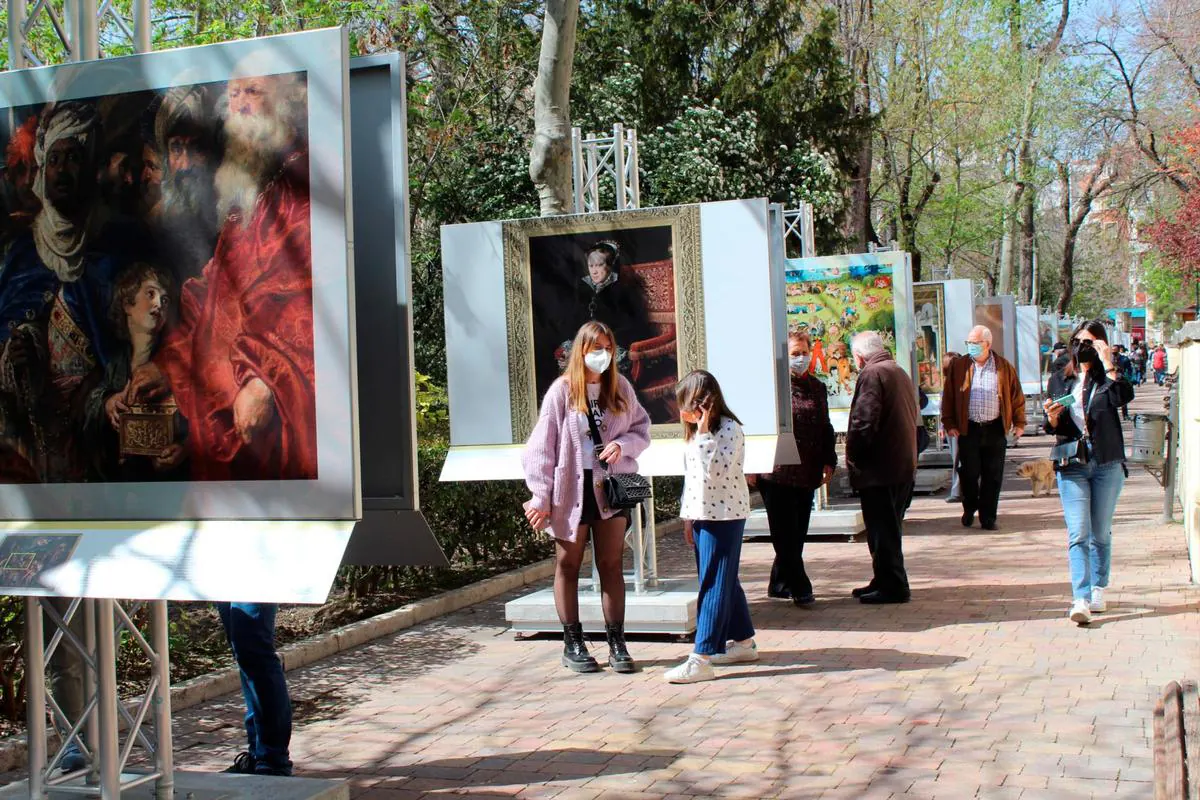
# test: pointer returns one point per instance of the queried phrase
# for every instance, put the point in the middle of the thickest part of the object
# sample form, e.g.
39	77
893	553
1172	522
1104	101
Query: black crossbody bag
622	490
1077	451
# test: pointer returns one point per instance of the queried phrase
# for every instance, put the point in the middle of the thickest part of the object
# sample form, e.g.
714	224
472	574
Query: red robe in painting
250	314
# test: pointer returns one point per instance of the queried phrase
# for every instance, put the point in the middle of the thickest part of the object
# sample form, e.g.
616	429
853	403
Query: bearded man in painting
187	218
240	361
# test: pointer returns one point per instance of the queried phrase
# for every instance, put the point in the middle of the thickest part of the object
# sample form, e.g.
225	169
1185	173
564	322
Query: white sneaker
736	654
694	670
1080	613
1098	606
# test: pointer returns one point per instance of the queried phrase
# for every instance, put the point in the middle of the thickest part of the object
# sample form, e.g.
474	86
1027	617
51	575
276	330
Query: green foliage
433	409
12	662
1164	287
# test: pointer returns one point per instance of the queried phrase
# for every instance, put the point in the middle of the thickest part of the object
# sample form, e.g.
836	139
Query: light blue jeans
1089	495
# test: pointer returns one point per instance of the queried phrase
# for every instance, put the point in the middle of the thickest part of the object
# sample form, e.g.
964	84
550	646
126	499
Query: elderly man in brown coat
982	401
881	454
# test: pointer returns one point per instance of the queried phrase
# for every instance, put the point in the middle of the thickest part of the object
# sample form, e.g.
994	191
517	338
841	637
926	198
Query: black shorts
591	509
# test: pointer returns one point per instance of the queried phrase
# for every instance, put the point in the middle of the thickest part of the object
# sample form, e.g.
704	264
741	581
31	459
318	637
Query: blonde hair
576	374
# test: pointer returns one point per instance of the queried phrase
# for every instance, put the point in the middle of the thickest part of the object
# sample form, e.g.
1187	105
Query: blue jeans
1089	495
721	611
250	629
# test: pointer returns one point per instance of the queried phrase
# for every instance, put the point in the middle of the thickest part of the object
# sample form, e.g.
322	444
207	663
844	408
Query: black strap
595	428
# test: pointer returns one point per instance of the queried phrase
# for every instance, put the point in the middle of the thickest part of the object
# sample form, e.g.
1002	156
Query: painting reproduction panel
637	272
930	306
156	305
832	304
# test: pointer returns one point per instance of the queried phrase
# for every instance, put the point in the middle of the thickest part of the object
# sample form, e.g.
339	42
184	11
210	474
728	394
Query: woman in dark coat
788	492
1090	461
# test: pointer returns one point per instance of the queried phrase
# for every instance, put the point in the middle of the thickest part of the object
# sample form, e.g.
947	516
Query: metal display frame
104	619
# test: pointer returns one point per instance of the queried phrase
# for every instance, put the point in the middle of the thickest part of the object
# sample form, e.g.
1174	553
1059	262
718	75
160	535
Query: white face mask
799	364
598	360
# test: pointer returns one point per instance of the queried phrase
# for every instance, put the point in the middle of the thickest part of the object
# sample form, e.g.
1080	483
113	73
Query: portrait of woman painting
628	270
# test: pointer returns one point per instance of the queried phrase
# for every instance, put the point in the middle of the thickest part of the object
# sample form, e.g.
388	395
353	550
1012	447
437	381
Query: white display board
725	319
1029	354
259	500
960	313
999	314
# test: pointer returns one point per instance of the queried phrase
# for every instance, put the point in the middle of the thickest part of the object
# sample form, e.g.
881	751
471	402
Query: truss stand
598	158
798	230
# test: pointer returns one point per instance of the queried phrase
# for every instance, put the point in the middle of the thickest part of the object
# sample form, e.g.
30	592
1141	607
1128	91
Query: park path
978	688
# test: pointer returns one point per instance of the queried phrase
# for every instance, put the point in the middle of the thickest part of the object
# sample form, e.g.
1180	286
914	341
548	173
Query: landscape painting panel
832	304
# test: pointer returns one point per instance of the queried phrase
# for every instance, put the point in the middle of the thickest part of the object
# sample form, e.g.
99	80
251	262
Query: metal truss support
97	730
76	25
597	158
798	231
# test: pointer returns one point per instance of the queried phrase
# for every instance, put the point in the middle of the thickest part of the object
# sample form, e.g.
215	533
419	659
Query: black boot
575	655
618	654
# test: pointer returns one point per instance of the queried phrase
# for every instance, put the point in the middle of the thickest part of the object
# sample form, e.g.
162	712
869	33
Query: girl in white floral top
716	502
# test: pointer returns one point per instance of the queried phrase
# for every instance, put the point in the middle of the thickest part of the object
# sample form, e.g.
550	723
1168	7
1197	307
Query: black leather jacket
1103	415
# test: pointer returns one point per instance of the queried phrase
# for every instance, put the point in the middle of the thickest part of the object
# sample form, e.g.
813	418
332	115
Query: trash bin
1149	439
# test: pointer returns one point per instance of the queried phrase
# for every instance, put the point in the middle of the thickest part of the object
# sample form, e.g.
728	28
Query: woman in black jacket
1089	459
788	492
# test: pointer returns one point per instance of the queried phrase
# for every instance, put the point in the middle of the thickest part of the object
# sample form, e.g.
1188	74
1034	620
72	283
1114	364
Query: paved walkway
979	687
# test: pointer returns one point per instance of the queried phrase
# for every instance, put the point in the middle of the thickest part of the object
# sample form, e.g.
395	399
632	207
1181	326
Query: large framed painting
835	297
636	271
175	313
929	310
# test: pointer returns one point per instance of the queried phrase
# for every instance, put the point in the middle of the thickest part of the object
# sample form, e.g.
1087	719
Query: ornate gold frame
689	296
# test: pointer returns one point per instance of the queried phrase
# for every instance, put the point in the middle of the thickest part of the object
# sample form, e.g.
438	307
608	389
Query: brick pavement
978	688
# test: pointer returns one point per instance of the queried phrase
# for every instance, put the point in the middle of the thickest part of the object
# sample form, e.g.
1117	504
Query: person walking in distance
1159	362
955	494
715	505
982	402
788	492
563	470
881	455
1089	457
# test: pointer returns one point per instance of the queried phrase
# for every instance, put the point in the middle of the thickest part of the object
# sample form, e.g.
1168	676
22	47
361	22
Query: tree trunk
1004	270
1027	233
1095	184
550	156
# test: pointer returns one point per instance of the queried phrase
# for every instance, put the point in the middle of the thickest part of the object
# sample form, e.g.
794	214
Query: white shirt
585	428
714	483
1077	408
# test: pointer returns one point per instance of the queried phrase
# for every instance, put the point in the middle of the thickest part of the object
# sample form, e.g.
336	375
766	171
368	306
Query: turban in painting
182	109
60	240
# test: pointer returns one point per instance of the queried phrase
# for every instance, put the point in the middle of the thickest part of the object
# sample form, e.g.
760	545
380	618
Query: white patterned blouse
714	483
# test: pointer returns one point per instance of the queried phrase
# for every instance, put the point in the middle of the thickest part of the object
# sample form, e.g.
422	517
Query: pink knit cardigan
553	457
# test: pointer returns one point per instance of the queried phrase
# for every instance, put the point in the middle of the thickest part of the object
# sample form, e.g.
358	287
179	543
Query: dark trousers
722	612
250	629
883	510
981	453
789	509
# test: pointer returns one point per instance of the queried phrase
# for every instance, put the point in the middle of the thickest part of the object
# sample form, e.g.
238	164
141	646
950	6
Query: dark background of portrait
557	266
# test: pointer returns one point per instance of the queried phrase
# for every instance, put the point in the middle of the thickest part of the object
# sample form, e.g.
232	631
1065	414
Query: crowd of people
591	425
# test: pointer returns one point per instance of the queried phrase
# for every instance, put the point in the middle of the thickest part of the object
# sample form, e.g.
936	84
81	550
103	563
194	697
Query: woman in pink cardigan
564	470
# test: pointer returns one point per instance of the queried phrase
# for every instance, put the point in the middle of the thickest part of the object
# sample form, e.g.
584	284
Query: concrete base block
932	481
669	607
834	522
210	786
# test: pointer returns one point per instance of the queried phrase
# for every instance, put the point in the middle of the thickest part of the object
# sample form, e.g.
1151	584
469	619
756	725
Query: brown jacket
956	397
881	440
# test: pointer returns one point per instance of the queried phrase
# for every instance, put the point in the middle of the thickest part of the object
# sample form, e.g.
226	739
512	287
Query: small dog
1040	473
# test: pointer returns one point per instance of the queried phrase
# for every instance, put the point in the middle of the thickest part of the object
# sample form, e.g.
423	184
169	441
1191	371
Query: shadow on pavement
507	770
775	663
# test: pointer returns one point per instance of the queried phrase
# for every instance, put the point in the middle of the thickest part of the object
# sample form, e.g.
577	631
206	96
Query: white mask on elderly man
799	364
